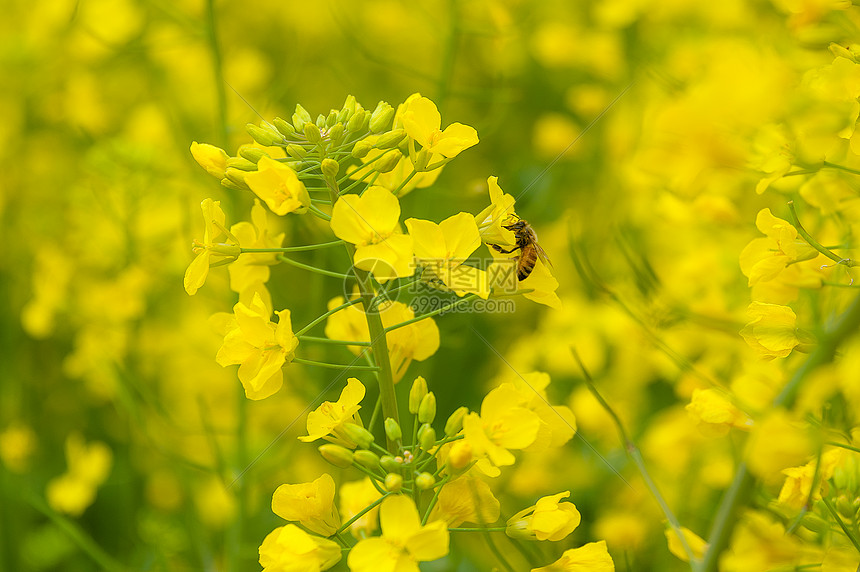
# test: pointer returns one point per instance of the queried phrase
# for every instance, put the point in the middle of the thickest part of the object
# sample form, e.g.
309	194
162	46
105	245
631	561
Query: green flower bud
358	435
367	459
321	119
347	110
815	523
237	177
312	133
296	151
241	163
391	139
358	121
336	455
420	160
227	183
329	168
331	119
846	507
427	409
265	136
335	134
392	430
388	161
425	481
455	422
361	149
381	117
284	127
416	394
393	482
389	463
427	437
253	154
300	118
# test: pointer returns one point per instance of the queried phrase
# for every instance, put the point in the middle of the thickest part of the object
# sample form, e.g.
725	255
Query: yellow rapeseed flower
548	519
371	223
291	549
404	542
327	420
279	187
443	248
422	122
260	346
311	504
593	557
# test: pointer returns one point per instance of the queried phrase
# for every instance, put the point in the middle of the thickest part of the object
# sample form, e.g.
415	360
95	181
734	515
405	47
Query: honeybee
527	244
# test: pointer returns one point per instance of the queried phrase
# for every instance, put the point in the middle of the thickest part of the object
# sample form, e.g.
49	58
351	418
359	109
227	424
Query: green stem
217	68
85	542
636	456
294	248
851	536
318	213
334	365
317	340
843	446
434	500
314	268
361	513
814	243
743	484
404	183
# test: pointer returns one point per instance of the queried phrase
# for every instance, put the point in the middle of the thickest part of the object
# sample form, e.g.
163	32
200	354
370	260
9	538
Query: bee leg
502	250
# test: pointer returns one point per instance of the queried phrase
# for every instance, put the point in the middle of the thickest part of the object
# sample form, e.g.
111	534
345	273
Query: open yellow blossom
88	467
558	424
327	420
260	346
796	490
291	549
443	248
279	187
211	158
715	414
503	424
422	122
593	557
695	542
311	504
772	332
466	499
404	542
775	258
548	519
213	244
371	223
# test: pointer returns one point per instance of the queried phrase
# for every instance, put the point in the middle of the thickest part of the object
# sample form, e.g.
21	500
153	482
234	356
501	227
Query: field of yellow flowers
449	285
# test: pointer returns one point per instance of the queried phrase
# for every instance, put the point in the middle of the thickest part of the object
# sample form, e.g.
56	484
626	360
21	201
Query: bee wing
542	255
